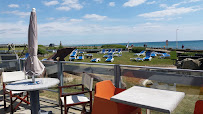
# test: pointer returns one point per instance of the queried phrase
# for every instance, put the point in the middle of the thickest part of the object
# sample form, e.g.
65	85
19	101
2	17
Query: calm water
195	45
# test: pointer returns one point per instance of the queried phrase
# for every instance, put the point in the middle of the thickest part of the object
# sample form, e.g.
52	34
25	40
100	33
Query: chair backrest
198	107
87	81
104	89
26	55
110	54
103	50
13	76
142	51
148	53
109	50
110	57
119	50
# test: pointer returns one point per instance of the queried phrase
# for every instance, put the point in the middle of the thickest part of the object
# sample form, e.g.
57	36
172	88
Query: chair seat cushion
75	99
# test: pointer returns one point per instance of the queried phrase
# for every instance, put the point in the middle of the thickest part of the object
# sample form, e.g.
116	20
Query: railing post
19	64
117	76
60	76
60	73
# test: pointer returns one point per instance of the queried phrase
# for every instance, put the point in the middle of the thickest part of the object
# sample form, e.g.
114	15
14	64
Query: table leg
34	101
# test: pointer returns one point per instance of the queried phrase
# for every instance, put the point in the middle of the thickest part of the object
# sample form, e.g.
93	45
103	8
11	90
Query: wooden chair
78	98
198	107
102	105
8	77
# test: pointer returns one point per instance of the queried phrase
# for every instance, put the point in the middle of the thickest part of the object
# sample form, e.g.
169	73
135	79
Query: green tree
42	51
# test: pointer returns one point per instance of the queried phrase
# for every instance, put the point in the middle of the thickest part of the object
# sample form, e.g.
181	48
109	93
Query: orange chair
102	105
198	107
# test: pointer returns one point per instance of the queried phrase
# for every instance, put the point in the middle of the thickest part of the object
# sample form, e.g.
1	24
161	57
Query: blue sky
102	21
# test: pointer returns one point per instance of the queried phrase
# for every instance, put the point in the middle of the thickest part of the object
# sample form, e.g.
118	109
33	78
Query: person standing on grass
182	46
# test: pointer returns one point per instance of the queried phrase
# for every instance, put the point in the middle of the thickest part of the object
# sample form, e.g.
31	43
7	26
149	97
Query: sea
193	45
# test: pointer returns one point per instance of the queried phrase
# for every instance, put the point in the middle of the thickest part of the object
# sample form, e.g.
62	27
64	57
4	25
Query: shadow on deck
46	105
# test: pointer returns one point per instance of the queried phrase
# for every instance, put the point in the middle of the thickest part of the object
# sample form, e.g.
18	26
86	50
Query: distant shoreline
193	44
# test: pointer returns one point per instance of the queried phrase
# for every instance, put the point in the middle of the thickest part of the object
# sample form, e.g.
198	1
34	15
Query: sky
102	21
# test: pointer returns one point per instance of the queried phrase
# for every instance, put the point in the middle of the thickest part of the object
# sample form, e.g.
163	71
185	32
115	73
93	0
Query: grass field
125	60
17	48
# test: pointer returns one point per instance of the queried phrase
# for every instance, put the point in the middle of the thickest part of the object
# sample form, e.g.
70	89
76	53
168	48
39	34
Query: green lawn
125	60
17	48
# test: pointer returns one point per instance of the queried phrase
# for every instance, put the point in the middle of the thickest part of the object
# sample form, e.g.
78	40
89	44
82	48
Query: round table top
27	85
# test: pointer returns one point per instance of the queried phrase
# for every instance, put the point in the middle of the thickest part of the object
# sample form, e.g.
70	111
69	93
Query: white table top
149	98
27	85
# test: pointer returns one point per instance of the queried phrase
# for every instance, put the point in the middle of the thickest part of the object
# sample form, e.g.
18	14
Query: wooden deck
46	105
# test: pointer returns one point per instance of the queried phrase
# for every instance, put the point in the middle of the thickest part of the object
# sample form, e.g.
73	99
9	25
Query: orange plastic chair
198	107
102	105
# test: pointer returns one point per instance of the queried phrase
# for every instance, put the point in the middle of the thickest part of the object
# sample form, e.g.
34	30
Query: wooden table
33	88
149	98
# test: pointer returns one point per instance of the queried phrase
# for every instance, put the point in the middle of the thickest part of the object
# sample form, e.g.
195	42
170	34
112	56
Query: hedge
113	46
138	49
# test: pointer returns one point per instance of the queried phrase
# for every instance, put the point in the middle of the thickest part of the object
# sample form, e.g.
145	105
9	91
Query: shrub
189	54
138	49
113	46
42	51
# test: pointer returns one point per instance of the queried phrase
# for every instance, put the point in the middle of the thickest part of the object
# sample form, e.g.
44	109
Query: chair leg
66	109
4	97
60	103
27	96
11	102
61	110
90	108
83	109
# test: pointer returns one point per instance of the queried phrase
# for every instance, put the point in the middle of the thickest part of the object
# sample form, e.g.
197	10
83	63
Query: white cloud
58	19
50	3
94	16
62	18
80	33
72	4
153	2
18	13
13	5
98	1
156	19
132	3
63	8
112	4
76	20
163	5
194	0
169	12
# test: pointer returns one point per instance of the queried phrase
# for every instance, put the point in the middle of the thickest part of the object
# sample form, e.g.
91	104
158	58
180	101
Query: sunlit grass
125	60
